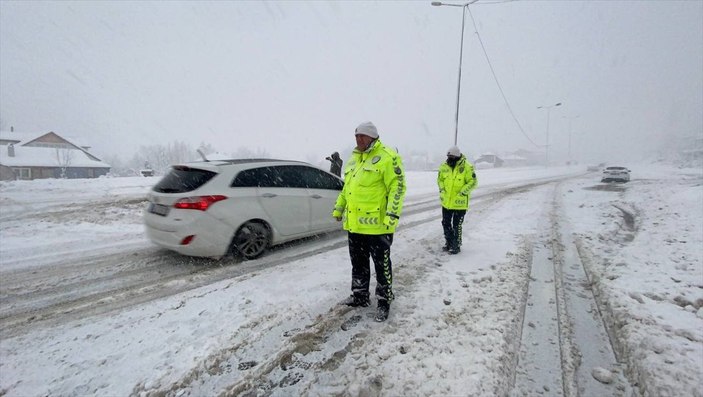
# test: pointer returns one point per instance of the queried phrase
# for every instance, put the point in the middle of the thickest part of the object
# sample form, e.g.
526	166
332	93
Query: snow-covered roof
26	156
490	157
35	156
22	138
513	157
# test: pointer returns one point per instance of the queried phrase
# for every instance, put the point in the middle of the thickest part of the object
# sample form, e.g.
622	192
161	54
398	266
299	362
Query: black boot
357	301
382	310
446	246
455	247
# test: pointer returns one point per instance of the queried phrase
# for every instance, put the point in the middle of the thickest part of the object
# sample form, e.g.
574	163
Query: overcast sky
295	78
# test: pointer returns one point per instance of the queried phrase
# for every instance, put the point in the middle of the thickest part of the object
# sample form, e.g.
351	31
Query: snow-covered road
107	314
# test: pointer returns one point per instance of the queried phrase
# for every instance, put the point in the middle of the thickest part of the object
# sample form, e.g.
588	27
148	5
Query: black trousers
452	221
378	247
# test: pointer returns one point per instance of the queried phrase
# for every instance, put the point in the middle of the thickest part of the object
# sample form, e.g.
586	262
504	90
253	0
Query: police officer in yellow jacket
370	204
456	179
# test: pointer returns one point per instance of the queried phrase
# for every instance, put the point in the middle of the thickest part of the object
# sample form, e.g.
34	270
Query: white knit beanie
454	151
368	129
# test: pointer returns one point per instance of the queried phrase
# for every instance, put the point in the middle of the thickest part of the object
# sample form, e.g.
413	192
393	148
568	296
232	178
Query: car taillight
201	203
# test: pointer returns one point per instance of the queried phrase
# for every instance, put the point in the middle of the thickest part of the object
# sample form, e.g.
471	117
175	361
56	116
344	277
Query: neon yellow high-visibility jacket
455	184
374	189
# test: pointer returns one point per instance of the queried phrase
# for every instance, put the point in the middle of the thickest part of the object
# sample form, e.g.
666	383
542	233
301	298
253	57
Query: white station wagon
616	174
243	206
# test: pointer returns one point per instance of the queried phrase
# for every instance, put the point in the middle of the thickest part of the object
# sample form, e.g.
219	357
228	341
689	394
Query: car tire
251	240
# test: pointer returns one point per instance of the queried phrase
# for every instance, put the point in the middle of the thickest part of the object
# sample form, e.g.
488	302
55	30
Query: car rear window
183	179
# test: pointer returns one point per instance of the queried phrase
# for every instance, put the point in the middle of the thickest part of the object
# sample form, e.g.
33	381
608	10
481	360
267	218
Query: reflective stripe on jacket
374	189
455	184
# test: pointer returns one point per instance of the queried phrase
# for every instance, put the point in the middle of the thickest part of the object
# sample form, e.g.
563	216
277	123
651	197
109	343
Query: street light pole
461	56
549	108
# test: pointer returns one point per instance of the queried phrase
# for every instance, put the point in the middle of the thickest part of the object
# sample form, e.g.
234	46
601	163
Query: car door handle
269	195
316	196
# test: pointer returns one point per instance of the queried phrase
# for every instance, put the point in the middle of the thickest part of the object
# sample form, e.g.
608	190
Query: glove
337	215
390	221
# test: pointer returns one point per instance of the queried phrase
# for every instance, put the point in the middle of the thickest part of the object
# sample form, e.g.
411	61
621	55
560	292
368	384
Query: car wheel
251	240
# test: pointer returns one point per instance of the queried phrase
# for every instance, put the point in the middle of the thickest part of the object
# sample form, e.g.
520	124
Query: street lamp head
439	3
549	107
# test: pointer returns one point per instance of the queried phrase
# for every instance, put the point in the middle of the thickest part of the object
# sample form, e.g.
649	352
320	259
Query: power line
495	2
500	88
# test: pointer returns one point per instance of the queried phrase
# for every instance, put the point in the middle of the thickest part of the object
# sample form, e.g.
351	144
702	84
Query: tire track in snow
44	300
243	370
565	348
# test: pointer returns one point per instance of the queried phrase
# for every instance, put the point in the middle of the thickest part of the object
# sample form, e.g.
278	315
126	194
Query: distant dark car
616	174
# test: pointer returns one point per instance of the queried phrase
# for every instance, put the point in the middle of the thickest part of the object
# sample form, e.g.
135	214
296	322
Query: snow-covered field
89	307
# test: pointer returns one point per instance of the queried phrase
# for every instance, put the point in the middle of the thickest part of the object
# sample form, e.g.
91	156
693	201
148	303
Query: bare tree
117	166
206	148
245	153
161	157
63	159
